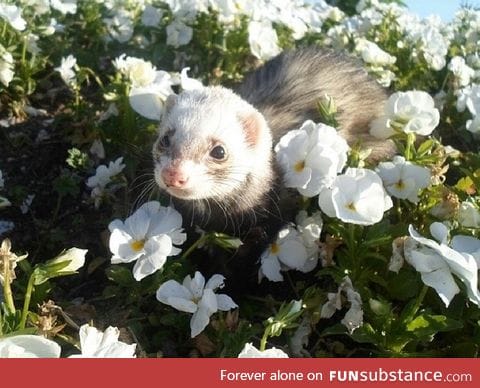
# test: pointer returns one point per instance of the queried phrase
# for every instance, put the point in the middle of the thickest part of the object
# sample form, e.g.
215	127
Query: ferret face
210	145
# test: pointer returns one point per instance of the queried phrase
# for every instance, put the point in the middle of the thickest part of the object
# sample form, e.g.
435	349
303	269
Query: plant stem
192	247
418	302
7	290
26	303
263	341
409	146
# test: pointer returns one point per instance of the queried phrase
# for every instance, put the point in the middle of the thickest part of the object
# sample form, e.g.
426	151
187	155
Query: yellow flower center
137	245
351	206
299	166
400	185
274	248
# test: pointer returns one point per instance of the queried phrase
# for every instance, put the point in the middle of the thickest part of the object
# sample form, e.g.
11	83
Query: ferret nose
174	177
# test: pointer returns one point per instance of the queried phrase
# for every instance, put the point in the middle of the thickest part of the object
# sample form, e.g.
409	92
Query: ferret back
287	88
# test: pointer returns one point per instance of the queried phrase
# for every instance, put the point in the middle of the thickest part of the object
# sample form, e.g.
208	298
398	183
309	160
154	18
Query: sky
444	8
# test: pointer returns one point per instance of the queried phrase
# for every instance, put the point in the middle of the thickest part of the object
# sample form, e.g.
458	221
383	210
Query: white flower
28	346
353	318
13	15
310	228
462	72
287	252
138	71
97	149
356	197
6	66
120	26
473	126
149	101
263	39
5	226
469	97
148	237
373	54
73	258
311	157
150	87
64	6
469	215
195	297
103	176
188	83
95	344
403	179
178	34
467	244
67	69
250	351
437	262
409	112
151	16
27	202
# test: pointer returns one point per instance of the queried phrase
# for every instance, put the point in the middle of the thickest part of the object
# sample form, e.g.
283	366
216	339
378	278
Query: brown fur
287	88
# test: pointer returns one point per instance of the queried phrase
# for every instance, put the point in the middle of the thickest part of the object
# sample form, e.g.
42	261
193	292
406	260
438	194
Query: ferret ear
254	127
171	101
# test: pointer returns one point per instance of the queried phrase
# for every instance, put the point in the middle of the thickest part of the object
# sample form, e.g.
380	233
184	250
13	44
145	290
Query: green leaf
378	307
367	334
426	325
120	275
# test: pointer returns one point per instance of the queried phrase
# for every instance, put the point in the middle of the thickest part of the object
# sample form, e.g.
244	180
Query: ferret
214	152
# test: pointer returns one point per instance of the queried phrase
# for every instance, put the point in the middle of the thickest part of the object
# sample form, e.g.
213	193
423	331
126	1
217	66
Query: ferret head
213	145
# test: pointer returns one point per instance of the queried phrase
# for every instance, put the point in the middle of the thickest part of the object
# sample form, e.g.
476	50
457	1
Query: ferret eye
218	152
164	142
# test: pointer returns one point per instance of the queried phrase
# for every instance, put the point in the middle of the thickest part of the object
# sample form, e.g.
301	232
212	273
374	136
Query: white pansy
403	179
6	66
467	244
67	69
120	26
263	39
311	157
64	6
356	197
310	228
250	351
462	72
287	252
138	71
187	83
469	97
27	202
195	297
72	259
469	215
473	126
408	112
151	16
437	263
147	237
97	344
103	176
149	101
178	34
28	346
353	318
373	54
97	149
5	225
13	15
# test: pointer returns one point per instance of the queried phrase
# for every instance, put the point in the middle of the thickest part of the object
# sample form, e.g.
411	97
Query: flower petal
172	288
